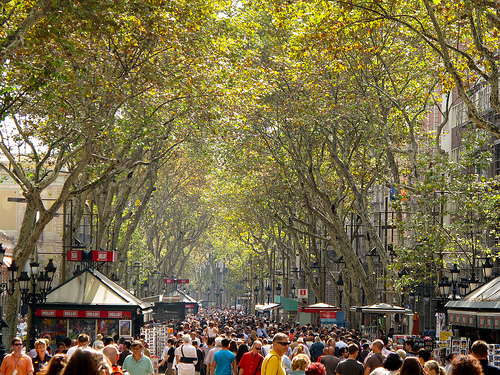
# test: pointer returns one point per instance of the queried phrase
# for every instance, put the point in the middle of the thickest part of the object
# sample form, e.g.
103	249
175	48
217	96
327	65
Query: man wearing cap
273	363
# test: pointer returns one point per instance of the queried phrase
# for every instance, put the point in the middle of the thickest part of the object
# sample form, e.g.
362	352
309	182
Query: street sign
182	281
302	293
169	281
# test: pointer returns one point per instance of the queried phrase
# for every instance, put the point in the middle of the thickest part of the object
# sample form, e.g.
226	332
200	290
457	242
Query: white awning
269	306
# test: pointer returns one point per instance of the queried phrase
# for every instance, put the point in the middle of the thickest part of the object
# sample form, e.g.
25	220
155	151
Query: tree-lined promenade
256	136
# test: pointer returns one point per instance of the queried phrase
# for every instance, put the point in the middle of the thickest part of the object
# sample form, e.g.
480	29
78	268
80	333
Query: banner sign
74	255
173	281
96	256
329	315
46	313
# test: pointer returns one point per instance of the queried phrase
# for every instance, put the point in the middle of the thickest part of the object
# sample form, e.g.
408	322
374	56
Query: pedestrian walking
56	364
412	366
299	364
42	358
209	358
168	358
433	368
479	351
17	363
273	363
329	360
111	353
465	365
393	363
351	366
251	362
125	353
376	359
224	360
138	363
85	362
315	368
83	343
186	357
316	349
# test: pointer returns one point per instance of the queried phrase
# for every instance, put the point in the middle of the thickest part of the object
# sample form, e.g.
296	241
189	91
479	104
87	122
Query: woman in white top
211	330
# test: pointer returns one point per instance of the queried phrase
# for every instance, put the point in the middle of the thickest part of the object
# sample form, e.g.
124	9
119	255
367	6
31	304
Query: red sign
97	256
103	256
83	314
74	255
189	306
328	315
178	281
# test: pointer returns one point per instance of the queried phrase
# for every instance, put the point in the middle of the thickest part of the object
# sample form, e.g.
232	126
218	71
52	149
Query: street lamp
268	292
292	290
444	287
487	269
340	287
256	293
278	289
40	286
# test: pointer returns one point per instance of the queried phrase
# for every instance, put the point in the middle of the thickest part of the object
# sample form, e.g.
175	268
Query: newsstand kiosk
91	303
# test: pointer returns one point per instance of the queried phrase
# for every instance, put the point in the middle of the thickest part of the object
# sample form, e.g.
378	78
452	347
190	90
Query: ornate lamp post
293	289
340	287
278	289
40	286
256	293
487	269
268	292
145	288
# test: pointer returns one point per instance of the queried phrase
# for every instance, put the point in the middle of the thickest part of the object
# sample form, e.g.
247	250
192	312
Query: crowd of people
224	343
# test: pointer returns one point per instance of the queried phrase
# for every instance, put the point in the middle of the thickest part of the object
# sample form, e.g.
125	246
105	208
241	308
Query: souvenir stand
91	303
477	314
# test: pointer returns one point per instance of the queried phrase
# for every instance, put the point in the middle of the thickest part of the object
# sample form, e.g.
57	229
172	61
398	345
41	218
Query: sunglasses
283	343
18	344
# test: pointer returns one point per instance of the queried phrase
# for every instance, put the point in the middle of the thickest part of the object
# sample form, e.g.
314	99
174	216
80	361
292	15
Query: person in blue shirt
316	349
224	360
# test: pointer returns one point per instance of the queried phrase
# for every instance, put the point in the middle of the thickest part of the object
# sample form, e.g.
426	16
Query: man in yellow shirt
273	363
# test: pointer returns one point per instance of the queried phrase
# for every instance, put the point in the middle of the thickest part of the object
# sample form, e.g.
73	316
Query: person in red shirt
250	363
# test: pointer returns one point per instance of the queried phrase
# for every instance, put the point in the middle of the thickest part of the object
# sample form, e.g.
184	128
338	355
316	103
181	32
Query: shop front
91	303
477	315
